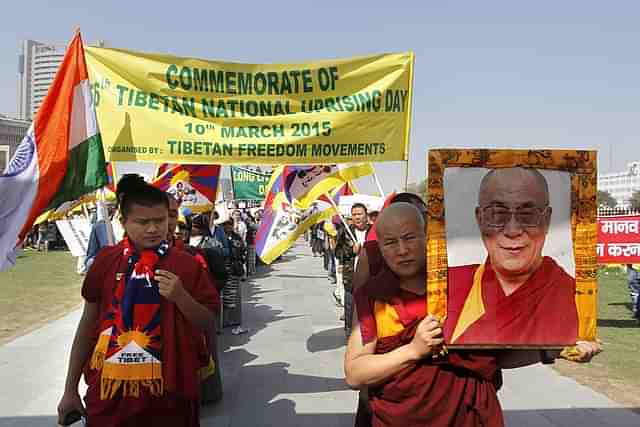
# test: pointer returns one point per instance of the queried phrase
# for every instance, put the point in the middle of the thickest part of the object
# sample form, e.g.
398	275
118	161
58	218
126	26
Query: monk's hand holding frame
582	352
428	338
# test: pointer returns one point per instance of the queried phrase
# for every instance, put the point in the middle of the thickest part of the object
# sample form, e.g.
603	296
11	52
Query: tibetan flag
112	177
283	224
61	158
164	167
195	186
274	192
304	184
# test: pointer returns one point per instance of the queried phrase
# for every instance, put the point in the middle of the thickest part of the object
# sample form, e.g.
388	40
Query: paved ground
287	371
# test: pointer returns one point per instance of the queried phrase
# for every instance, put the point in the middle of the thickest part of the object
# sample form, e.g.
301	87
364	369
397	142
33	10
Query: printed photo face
511	265
464	235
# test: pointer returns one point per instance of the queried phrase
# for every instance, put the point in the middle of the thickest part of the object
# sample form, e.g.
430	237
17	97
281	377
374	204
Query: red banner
618	239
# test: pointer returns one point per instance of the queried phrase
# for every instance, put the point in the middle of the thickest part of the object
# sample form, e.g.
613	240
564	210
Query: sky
503	74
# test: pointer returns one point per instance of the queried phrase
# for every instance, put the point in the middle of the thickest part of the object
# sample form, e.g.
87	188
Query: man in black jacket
348	246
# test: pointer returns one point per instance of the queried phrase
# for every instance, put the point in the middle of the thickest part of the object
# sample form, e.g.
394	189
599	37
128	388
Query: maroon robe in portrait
542	312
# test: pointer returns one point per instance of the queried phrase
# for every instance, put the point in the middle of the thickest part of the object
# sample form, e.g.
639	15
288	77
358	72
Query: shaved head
508	178
396	212
401	238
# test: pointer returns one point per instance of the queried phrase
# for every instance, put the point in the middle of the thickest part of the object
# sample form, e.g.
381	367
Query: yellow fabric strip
473	306
109	387
387	320
99	352
138	371
206	371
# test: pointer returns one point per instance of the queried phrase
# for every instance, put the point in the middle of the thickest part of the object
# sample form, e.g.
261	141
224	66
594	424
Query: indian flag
60	159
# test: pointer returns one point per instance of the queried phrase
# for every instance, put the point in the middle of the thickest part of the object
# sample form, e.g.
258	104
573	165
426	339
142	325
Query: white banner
76	234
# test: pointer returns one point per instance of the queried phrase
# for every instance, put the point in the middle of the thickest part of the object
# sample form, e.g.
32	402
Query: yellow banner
162	108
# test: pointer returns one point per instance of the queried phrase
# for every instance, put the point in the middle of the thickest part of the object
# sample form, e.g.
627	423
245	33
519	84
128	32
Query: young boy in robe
139	341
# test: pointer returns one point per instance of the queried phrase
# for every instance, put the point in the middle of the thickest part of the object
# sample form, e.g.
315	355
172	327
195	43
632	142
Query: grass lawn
39	288
616	371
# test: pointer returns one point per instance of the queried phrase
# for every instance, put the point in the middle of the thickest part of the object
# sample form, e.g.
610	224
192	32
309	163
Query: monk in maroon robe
187	304
391	351
517	297
183	350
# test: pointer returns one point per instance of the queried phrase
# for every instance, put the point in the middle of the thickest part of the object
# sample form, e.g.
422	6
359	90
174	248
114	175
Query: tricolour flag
304	184
195	186
61	158
282	224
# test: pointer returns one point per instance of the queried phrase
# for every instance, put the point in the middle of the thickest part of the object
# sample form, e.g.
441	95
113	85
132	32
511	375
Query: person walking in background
43	236
633	281
347	249
258	213
239	226
317	240
210	248
330	248
252	229
217	233
232	294
32	238
338	293
209	251
53	237
183	230
326	263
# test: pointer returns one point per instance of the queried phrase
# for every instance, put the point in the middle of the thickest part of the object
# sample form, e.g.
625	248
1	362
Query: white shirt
360	236
241	228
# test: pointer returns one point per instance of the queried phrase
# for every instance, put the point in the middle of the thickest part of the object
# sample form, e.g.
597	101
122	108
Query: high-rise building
37	66
11	133
621	185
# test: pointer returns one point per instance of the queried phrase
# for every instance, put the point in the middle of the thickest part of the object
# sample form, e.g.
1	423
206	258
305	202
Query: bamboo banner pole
406	176
377	181
333	203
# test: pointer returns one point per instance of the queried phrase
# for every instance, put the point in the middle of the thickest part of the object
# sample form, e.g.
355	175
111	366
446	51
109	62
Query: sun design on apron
139	337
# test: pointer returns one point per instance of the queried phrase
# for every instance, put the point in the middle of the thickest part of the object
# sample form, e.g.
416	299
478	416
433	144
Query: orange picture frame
582	167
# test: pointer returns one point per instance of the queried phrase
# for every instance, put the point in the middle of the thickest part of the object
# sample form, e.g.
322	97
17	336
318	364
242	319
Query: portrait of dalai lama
518	295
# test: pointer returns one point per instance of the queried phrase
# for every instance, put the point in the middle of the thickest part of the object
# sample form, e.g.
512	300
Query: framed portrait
511	249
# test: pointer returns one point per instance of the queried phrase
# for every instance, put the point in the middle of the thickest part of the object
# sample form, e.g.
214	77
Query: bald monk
391	349
518	296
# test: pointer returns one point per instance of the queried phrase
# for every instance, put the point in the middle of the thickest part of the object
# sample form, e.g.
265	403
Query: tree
605	199
635	200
